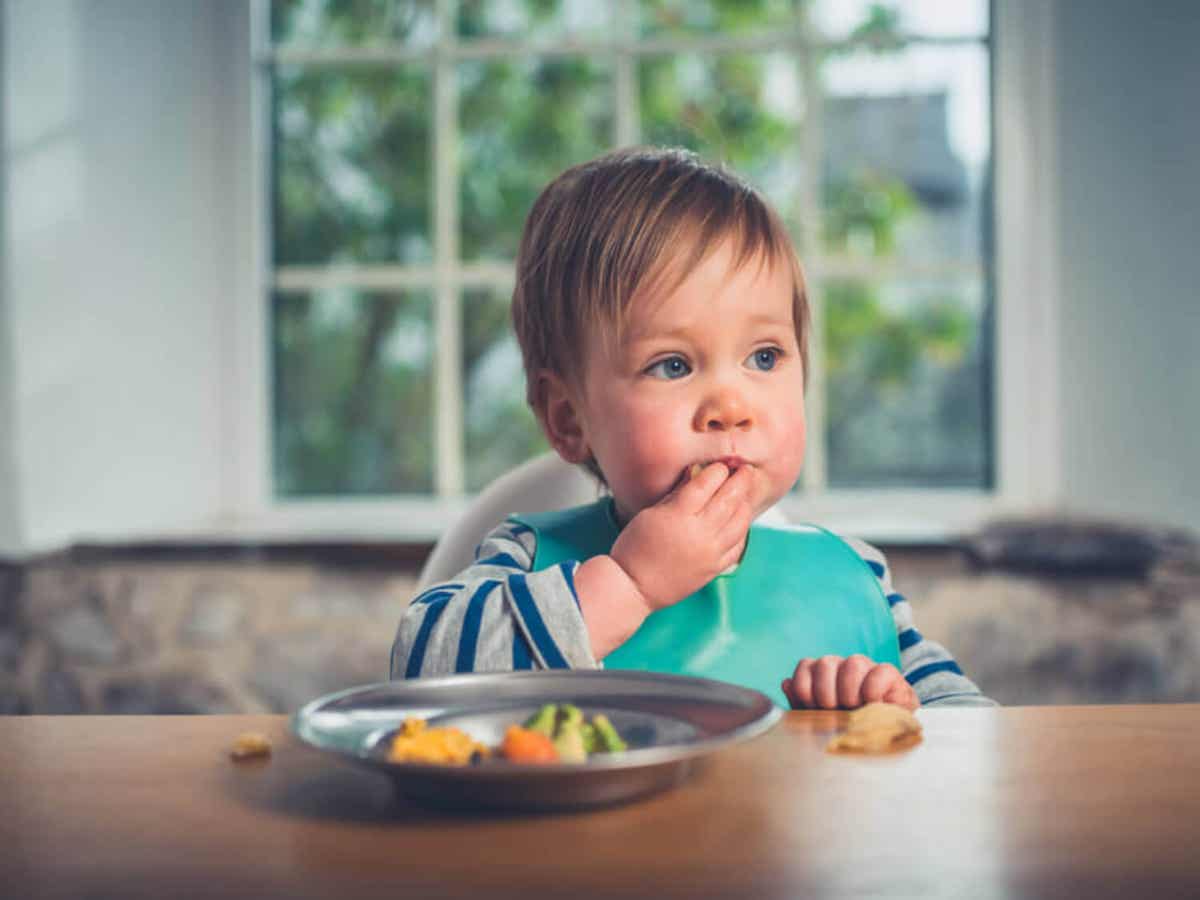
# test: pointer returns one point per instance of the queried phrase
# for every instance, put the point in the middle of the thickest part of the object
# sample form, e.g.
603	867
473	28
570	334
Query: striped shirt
498	616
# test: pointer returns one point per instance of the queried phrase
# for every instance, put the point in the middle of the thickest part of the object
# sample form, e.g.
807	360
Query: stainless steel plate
668	721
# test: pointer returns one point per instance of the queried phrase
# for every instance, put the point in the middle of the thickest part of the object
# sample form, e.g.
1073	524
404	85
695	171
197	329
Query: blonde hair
605	229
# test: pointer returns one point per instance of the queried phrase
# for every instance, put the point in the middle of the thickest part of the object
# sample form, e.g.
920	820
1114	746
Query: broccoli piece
569	716
543	720
609	740
591	743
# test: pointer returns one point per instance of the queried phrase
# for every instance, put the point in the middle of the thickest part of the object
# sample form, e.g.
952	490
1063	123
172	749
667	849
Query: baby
663	322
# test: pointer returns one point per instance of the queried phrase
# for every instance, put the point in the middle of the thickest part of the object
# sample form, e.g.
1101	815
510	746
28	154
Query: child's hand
833	682
677	546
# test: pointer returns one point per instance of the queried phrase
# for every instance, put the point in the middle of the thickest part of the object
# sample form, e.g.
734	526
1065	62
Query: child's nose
723	410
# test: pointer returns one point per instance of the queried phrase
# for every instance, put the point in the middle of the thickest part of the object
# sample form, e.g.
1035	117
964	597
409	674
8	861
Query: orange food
418	743
524	746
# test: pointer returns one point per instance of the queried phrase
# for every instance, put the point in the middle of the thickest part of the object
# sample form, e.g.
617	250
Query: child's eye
670	368
764	360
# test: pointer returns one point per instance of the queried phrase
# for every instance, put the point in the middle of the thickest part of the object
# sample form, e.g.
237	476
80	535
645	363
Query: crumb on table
251	744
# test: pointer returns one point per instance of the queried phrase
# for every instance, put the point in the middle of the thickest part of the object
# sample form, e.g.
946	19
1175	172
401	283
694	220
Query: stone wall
229	631
1054	637
221	635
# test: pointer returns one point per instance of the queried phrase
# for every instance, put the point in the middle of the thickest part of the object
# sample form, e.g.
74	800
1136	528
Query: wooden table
1042	801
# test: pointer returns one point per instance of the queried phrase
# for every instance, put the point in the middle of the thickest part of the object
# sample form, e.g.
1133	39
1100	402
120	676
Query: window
408	140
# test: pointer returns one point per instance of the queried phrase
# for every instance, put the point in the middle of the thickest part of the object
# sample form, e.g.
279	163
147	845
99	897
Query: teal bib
798	592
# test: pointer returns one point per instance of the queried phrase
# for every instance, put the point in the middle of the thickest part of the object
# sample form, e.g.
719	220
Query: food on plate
416	742
604	737
574	737
556	733
877	728
524	745
250	744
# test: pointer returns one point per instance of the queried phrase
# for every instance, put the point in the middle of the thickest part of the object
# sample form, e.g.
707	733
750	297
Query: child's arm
927	665
495	616
666	552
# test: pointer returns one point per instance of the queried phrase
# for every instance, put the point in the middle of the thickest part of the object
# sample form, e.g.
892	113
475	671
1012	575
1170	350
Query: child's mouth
733	463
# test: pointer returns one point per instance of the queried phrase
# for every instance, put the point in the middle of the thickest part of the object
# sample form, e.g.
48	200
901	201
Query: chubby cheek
786	457
644	463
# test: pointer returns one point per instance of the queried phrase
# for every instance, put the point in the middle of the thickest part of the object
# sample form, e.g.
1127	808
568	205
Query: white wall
126	235
10	513
1128	94
119	235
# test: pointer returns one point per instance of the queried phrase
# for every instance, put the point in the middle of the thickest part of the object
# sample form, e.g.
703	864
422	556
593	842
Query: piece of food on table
250	744
416	742
877	728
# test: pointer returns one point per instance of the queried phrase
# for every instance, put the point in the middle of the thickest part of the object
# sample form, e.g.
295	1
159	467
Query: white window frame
1025	383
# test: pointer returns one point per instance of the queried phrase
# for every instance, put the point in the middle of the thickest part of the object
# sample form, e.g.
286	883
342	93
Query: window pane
680	17
907	143
739	109
522	122
501	430
533	19
880	20
352	165
331	23
906	369
352	393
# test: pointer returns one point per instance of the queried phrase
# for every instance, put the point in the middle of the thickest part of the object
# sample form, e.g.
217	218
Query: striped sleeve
495	616
929	667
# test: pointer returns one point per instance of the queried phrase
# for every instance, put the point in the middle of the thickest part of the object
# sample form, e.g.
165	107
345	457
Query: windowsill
408	527
899	517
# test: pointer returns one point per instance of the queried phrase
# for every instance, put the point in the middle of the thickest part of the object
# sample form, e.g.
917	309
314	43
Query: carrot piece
522	745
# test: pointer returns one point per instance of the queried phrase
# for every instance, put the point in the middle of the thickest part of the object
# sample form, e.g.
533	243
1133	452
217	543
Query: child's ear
559	415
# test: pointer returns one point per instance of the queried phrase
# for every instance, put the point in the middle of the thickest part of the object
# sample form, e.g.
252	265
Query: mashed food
416	742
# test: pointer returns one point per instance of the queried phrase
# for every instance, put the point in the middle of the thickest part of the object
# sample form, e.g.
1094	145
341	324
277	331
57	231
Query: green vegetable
569	716
543	720
610	741
574	737
591	743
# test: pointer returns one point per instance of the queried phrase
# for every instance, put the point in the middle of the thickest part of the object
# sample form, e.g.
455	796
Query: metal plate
668	721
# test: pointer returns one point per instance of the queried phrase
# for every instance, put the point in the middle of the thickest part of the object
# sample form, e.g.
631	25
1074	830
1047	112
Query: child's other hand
677	546
834	682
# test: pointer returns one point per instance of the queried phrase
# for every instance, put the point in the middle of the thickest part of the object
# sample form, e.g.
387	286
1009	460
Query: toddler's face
709	371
